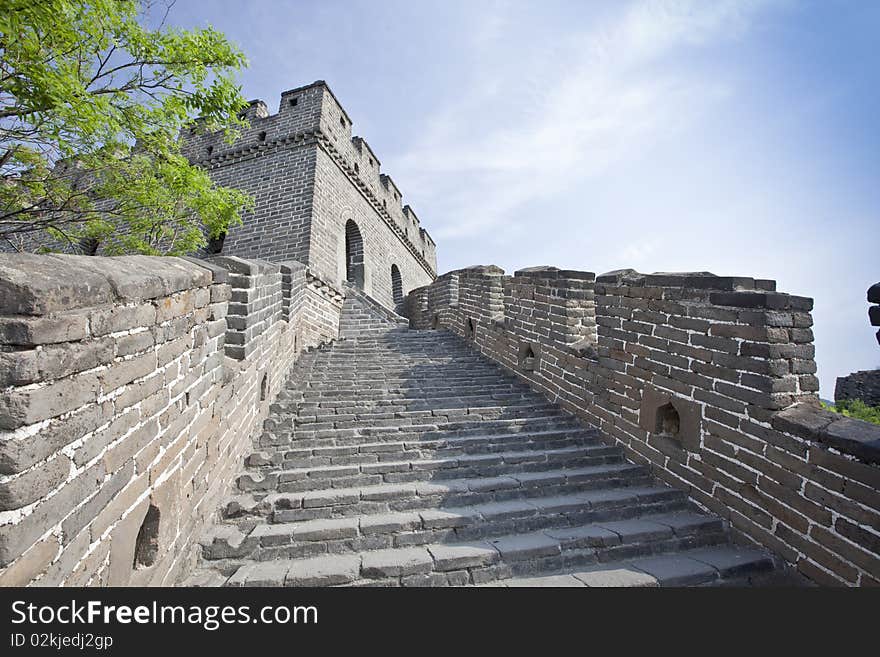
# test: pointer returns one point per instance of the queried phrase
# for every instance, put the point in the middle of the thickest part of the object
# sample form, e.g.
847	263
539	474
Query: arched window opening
146	546
528	357
396	285
264	387
435	324
215	244
89	246
354	255
668	421
470	329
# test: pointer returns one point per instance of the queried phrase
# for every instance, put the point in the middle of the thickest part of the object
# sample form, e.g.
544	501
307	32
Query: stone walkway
400	457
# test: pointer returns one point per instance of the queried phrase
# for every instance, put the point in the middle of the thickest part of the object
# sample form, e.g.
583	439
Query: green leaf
91	106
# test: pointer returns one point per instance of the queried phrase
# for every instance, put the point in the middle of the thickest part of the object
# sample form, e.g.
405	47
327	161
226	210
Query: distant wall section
309	177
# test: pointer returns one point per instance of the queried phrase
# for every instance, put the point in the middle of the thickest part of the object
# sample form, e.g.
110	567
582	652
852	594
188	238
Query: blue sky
739	137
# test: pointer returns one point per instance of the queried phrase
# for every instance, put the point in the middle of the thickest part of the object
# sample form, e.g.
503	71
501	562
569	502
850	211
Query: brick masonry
130	388
309	177
710	381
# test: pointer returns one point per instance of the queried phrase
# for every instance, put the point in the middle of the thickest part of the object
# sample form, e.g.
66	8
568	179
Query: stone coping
700	280
847	435
32	284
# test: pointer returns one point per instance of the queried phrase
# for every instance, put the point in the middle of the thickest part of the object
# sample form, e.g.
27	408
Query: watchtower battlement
307	170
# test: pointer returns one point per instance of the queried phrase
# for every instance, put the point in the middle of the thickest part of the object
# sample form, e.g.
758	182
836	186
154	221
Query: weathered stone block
63	327
38	285
17	537
121	318
31	564
34	484
23	406
53	362
123	372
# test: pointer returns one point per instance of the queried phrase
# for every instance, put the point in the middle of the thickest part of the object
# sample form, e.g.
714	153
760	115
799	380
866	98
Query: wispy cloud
563	111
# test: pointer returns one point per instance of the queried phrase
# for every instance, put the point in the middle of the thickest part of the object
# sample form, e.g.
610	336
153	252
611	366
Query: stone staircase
362	316
399	457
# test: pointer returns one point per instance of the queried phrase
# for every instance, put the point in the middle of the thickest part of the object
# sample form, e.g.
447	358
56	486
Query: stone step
416	369
481	561
420	355
708	566
418	421
398	457
374	383
568	518
279	432
443	390
424	364
370	452
502	403
421	469
417	412
419	359
601	481
368	415
400	352
505	404
397	345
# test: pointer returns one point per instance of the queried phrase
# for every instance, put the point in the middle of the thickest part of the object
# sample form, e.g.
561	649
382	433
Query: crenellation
256	109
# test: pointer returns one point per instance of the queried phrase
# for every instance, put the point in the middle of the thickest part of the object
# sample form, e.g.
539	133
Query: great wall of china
309	403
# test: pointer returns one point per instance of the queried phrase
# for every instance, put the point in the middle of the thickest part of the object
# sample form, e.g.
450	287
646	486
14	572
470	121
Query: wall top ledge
482	269
698	280
252	267
32	284
854	437
545	271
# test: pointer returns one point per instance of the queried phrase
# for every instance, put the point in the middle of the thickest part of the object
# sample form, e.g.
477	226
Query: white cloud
548	115
639	252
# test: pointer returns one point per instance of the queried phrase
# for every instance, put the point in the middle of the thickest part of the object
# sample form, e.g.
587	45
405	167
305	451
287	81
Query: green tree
92	101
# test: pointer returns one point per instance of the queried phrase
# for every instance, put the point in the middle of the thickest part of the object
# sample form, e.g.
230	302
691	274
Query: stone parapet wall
864	385
546	305
321	307
255	303
441	295
708	380
130	390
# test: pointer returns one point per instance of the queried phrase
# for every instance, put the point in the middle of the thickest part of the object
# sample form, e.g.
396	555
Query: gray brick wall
730	359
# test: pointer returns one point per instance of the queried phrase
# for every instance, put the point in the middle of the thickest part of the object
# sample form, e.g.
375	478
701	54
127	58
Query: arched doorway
354	255
396	285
